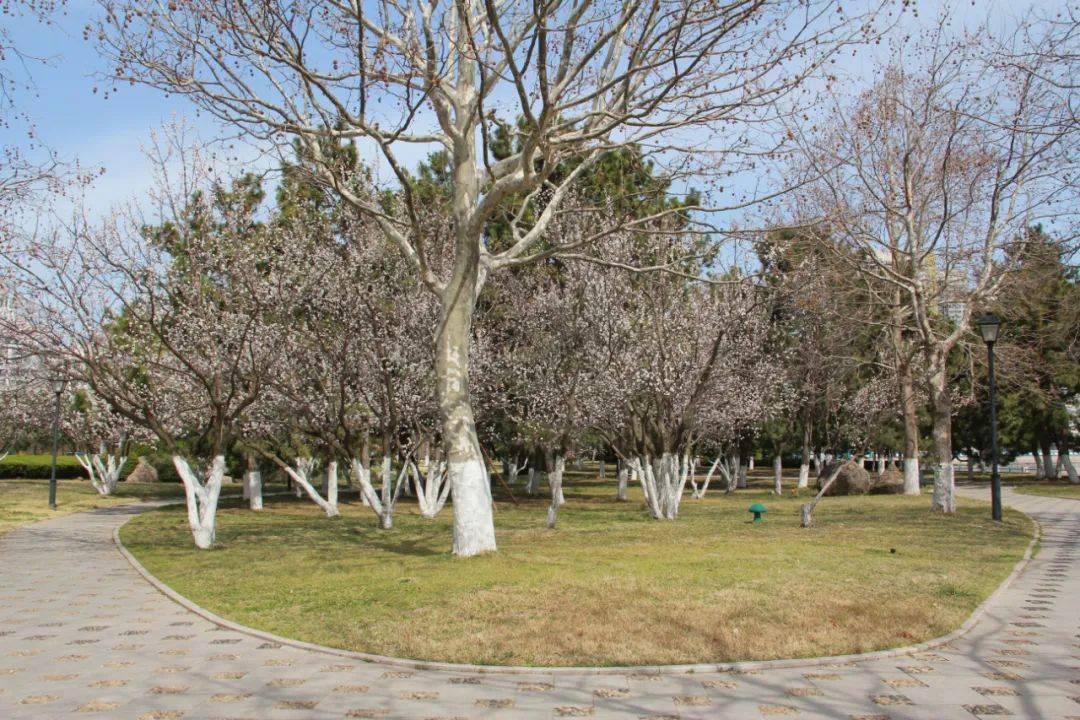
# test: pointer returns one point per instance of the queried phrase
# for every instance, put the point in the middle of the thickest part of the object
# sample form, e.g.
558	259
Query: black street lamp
58	382
989	325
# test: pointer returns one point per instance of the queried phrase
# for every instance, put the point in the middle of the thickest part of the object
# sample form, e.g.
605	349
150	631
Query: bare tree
928	180
523	98
28	171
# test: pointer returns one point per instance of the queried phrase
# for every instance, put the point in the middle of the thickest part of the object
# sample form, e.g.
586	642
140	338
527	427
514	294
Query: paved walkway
83	635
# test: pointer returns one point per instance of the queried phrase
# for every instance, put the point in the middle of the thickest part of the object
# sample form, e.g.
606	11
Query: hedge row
39	467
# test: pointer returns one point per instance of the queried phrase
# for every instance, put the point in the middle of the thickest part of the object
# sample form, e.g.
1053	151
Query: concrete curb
968	625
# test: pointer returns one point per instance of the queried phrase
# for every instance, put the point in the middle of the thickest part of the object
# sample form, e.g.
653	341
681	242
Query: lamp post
58	382
989	325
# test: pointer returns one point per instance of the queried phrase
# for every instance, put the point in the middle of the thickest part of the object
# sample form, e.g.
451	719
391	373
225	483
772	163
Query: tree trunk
807	510
431	488
301	476
663	481
908	407
332	484
474	523
1038	462
880	465
1070	469
736	472
556	465
700	492
253	484
364	463
1049	470
970	465
944	497
555	478
620	491
778	474
103	469
603	472
202	498
804	462
389	493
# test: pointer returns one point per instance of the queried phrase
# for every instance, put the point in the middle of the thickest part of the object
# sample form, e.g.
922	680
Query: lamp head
989	324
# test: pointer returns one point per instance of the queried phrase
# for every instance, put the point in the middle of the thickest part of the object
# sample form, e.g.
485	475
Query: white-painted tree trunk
381	502
474	520
1070	470
911	476
778	475
555	477
1049	468
621	475
603	471
332	484
817	458
734	474
944	495
533	485
202	498
880	465
663	481
697	491
254	485
103	468
512	469
432	489
474	531
750	465
389	493
301	476
555	480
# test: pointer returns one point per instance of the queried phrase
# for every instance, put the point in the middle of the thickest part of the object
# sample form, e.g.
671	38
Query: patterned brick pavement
83	635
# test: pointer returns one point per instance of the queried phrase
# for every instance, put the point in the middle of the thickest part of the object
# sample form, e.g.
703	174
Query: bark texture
944	496
555	478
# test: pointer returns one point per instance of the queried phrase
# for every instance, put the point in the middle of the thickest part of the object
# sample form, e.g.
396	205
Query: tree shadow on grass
399	545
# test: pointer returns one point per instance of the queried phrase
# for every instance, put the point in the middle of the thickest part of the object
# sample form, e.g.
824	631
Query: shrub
38	467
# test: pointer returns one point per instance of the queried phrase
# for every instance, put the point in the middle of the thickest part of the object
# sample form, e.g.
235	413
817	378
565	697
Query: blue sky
82	125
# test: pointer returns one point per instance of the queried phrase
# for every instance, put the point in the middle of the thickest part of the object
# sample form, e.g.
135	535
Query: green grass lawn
1059	489
608	586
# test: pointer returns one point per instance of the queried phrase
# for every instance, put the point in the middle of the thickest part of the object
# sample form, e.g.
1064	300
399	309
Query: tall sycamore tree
928	178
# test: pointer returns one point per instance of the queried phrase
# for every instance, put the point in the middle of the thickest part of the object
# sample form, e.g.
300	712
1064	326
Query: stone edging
690	669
